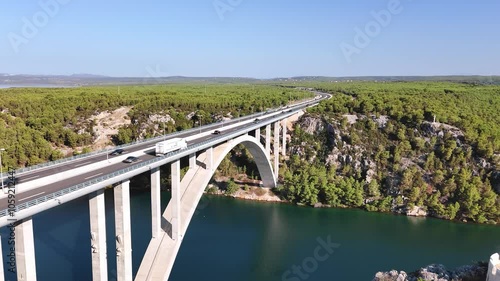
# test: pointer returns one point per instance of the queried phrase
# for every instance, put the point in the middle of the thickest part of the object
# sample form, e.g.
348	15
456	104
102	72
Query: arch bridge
205	153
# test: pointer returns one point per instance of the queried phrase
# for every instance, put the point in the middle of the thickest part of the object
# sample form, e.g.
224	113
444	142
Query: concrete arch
160	255
258	152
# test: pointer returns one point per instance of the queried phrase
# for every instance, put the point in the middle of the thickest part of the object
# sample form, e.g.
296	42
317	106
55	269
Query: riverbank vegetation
377	146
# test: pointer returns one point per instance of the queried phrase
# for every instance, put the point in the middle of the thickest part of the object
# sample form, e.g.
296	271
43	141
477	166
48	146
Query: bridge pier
283	146
25	250
176	200
155	203
276	148
123	231
210	158
257	134
192	161
268	141
98	236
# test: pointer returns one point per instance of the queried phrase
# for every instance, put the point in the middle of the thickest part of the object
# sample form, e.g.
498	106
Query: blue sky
251	38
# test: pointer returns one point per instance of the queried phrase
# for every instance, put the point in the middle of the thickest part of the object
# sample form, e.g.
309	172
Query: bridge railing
77	187
90	182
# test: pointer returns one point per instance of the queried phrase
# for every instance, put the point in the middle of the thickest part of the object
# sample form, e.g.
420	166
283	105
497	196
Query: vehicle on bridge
216	132
167	146
131	159
117	152
8	182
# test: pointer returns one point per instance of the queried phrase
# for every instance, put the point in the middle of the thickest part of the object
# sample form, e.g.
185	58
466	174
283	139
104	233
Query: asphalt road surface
71	181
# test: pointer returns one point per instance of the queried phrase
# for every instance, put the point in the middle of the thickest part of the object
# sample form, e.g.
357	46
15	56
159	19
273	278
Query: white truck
170	145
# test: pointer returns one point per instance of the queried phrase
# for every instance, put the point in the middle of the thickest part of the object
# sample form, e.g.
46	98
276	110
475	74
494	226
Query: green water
231	239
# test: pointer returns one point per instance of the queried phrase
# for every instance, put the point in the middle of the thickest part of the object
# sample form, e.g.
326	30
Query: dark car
257	120
216	132
8	182
131	159
117	152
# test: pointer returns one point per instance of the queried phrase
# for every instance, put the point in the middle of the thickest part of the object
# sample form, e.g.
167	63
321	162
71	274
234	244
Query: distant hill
92	79
85	75
457	78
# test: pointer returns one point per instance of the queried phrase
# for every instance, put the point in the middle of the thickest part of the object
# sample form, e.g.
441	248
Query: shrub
232	187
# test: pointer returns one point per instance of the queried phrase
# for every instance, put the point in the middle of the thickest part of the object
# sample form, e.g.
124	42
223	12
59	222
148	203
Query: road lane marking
82	164
92	176
31	196
31	178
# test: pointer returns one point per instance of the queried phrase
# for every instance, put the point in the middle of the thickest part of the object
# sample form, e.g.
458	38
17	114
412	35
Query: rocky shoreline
260	194
437	272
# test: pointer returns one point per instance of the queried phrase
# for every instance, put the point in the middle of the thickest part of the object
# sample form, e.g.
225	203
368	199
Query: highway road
50	170
147	148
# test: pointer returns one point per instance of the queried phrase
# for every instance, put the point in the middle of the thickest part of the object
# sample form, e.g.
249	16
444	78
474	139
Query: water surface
230	239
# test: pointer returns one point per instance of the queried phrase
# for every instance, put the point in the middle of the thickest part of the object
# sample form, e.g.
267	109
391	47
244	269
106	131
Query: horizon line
88	75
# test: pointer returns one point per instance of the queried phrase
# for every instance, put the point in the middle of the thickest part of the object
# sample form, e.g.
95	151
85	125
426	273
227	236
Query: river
231	239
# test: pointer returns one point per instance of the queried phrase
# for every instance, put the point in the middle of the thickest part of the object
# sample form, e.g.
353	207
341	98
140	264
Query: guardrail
72	158
80	156
77	187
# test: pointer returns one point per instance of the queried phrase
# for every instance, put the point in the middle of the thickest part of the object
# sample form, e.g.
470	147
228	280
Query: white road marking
92	176
31	196
31	178
81	164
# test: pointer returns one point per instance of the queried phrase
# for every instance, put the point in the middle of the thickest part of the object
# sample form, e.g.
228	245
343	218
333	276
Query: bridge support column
176	200
210	159
98	236
192	161
268	141
2	278
276	147
283	146
123	232
257	134
155	203
25	251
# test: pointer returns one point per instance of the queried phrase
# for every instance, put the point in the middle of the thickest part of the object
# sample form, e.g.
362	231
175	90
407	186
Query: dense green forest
392	156
36	122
